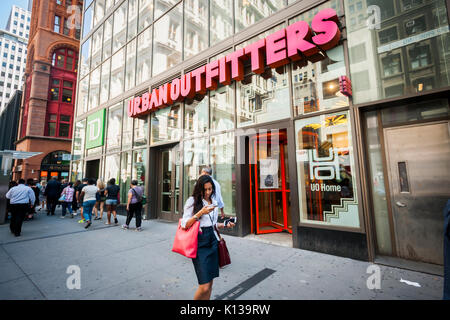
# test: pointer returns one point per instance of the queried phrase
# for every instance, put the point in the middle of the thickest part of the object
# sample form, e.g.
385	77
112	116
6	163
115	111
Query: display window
326	171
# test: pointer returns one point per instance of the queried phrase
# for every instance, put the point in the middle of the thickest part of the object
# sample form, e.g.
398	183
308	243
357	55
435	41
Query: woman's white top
205	221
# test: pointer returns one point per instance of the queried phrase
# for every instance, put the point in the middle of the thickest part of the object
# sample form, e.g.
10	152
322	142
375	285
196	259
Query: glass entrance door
169	184
269	187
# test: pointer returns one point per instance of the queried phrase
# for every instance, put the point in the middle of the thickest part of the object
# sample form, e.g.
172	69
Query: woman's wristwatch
195	217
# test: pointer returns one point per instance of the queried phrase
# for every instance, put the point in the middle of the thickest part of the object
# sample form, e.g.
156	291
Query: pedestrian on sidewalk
21	199
12	184
134	205
218	195
75	200
112	194
42	199
88	194
80	198
53	192
100	197
31	183
68	193
202	206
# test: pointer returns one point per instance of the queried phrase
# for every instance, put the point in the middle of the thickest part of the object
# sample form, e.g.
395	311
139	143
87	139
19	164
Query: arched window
66	59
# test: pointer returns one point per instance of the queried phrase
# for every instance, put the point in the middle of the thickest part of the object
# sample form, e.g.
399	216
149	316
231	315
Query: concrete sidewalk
124	264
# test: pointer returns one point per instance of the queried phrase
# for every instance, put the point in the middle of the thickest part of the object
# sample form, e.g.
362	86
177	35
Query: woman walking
112	199
202	207
88	194
134	205
101	198
75	200
42	198
68	192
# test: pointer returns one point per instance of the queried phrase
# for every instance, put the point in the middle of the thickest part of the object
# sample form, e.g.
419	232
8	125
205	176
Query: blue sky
5	9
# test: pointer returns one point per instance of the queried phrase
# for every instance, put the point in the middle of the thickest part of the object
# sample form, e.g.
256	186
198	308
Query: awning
14	154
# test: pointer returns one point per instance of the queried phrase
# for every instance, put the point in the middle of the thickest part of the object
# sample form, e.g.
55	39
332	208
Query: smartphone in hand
227	221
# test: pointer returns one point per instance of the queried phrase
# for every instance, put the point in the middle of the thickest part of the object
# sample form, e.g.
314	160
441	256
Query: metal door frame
166	215
254	178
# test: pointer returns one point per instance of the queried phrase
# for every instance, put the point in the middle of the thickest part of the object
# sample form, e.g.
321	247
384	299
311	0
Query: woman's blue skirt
206	263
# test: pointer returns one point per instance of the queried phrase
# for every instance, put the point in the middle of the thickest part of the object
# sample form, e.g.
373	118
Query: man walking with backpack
134	205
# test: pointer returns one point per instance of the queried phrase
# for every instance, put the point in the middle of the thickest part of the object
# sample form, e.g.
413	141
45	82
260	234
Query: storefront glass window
77	171
139	167
376	168
412	112
78	139
132	19
248	13
326	171
130	66
167	43
140	132
223	167
145	14
195	27
87	20
104	90
83	98
99	11
117	73
144	47
263	100
222	108
398	48
97	41
125	176
161	7
127	128
120	27
114	126
112	167
221	20
166	124
94	89
195	158
316	86
85	58
107	37
196	118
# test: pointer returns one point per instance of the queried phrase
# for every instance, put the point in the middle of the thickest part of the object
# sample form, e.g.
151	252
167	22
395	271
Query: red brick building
47	111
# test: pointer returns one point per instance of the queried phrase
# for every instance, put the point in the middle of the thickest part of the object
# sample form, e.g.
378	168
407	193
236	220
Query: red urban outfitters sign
297	42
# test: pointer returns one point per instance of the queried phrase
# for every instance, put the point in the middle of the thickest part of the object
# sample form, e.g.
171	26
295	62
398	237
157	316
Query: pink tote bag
186	241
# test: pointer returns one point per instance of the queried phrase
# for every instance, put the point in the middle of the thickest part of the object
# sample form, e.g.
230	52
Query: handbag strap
215	227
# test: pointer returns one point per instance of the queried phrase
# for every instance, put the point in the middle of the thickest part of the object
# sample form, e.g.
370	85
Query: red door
269	183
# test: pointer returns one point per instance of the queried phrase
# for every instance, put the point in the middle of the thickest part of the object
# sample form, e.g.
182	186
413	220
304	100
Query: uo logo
74	280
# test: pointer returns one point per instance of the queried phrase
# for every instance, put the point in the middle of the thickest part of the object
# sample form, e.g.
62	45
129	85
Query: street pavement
125	264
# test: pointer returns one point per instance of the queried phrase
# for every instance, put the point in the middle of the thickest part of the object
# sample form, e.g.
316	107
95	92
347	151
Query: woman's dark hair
134	182
92	181
77	183
199	191
30	182
112	181
71	184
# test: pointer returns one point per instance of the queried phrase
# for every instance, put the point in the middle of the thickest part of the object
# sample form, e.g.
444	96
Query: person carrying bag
201	211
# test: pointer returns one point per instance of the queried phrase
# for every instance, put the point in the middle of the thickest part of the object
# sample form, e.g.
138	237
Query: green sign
95	130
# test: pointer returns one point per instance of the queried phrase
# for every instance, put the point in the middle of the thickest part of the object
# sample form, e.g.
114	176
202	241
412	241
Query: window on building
51	125
420	56
65	59
392	65
59	2
64	126
57	24
415	26
388	35
54	90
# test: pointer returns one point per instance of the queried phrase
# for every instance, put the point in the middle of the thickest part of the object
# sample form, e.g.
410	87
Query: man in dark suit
53	192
